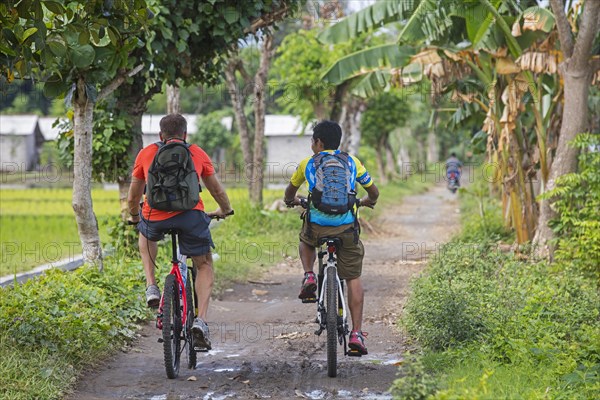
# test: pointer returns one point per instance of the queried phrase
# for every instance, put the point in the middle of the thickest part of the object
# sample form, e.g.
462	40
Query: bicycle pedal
310	300
354	353
201	349
160	340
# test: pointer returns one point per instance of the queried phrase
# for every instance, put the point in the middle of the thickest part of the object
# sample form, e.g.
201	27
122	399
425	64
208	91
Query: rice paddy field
37	226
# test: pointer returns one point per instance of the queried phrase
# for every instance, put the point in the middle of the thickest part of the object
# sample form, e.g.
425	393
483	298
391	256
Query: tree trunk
577	72
351	114
132	106
87	224
355	137
390	162
432	148
380	163
338	101
240	119
260	82
404	160
133	149
173	106
575	119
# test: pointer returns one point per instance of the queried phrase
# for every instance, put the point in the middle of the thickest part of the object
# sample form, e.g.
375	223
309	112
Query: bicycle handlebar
217	217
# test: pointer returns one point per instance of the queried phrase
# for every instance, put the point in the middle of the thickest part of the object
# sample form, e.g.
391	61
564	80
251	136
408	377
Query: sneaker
152	296
309	286
201	335
357	342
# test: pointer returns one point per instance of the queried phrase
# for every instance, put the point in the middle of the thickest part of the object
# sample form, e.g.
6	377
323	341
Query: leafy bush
512	328
415	384
52	326
576	199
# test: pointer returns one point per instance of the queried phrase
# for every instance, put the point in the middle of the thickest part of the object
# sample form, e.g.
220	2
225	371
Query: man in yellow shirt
326	139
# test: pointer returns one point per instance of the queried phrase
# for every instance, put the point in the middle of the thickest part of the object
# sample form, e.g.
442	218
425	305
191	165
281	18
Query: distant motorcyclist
453	171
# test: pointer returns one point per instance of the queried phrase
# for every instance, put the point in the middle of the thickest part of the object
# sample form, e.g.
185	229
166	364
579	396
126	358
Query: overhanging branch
268	20
117	81
564	28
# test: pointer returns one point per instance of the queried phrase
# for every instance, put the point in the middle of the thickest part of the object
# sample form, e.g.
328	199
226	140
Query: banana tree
470	40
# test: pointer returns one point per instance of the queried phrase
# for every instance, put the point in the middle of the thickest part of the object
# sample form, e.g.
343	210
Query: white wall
284	153
14	154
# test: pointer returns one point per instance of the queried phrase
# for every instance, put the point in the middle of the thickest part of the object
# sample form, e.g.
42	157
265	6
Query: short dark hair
173	126
453	154
328	132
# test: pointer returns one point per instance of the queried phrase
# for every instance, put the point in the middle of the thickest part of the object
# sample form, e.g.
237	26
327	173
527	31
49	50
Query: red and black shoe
309	286
357	342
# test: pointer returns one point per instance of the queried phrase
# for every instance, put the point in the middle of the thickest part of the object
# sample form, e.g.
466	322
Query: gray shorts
194	235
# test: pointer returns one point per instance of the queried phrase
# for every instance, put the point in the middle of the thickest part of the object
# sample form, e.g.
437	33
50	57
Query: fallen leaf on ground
258	292
299	394
192	378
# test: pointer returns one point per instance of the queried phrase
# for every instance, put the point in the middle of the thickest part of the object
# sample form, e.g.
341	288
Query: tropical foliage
498	58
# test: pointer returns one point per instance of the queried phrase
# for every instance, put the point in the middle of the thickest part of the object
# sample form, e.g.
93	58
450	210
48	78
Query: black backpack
333	192
173	183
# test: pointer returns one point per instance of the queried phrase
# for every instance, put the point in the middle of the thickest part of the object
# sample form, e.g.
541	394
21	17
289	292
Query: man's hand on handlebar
219	214
133	219
366	202
298	201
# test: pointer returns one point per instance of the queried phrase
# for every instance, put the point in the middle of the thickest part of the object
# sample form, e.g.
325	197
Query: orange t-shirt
143	161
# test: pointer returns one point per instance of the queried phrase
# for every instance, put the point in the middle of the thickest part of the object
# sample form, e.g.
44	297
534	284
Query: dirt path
263	336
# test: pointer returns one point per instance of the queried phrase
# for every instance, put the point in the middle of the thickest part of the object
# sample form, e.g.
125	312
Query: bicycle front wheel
171	329
331	322
190	321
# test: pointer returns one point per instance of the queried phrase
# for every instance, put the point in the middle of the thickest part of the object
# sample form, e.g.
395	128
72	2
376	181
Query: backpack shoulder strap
317	159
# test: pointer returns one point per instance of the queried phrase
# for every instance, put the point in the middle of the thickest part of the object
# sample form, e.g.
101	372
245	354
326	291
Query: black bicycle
332	310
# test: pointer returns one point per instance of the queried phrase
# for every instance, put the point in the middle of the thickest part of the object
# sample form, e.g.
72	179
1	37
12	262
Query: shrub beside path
263	336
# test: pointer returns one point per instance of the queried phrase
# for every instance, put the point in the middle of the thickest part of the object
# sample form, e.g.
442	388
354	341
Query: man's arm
372	195
217	191
136	191
289	197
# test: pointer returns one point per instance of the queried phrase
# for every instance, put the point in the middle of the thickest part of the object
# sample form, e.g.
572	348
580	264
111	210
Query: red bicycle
177	310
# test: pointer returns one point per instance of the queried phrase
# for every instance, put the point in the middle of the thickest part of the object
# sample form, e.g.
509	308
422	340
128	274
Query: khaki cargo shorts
351	254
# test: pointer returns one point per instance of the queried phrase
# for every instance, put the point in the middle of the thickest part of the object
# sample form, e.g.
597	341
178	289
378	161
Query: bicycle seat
336	241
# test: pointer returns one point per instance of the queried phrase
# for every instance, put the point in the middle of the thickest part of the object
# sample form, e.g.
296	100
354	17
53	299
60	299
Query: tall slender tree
577	70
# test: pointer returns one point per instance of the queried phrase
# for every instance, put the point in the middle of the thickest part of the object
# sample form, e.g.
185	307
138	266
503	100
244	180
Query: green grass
53	326
493	325
38	225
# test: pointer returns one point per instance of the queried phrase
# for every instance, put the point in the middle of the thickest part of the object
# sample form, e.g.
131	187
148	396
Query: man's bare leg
148	251
356	297
308	255
204	282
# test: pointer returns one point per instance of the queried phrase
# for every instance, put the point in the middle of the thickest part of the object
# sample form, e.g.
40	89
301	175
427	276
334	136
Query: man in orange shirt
195	240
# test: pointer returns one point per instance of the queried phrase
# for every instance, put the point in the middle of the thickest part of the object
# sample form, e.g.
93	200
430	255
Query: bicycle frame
175	260
331	262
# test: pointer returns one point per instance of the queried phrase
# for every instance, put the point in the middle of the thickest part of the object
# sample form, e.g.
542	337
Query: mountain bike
332	311
176	312
177	309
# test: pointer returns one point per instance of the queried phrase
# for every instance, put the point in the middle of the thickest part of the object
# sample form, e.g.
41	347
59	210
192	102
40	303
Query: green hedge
495	325
52	326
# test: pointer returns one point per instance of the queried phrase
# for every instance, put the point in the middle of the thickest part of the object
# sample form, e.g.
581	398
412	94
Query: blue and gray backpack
333	192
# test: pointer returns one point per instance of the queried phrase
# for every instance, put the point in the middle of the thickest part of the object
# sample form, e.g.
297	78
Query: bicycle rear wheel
171	329
331	322
190	321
